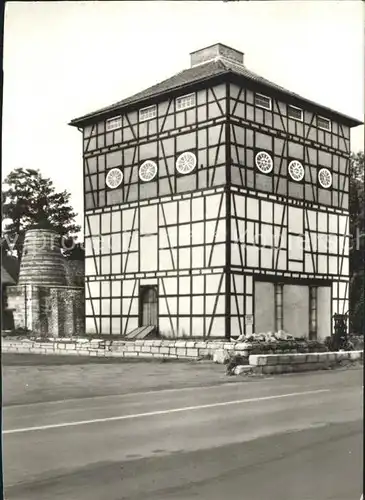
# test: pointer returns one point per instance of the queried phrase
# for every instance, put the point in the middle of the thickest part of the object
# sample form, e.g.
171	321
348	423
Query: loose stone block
238	370
221	356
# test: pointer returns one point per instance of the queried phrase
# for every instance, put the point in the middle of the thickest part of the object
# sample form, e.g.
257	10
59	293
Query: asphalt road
296	437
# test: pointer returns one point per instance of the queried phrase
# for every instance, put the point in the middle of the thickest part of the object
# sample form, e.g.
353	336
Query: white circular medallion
325	178
114	178
147	171
296	170
186	163
264	162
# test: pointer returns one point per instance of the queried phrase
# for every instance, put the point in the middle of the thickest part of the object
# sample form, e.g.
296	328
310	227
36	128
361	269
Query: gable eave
250	79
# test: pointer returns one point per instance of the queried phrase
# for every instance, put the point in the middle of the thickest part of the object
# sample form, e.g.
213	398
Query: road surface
296	437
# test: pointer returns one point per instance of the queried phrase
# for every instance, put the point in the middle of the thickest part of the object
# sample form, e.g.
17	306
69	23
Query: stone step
140	333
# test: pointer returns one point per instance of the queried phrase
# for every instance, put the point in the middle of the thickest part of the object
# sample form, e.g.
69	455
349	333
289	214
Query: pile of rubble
266	337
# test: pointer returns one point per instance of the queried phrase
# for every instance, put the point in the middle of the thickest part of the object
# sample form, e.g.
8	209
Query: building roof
9	270
201	73
6	279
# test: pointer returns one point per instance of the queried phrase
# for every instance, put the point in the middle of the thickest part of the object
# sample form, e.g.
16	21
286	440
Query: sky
65	59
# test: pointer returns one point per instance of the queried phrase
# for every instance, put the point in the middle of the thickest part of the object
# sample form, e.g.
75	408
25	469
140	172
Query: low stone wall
174	349
191	349
284	363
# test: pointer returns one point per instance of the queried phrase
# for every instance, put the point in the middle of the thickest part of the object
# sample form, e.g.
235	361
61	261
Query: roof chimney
214	52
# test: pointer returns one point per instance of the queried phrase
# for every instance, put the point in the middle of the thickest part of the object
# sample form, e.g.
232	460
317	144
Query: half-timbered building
216	205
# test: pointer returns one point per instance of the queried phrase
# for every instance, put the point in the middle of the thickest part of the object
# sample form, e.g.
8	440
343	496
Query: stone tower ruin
43	301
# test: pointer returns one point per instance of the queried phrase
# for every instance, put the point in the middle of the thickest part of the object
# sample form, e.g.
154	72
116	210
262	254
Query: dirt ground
32	378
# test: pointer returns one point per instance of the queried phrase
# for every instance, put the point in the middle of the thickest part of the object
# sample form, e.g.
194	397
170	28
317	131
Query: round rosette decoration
264	162
147	171
186	163
114	178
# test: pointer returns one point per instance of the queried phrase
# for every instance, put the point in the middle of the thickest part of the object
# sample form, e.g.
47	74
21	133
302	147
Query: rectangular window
114	123
279	307
323	123
147	113
184	102
262	101
296	113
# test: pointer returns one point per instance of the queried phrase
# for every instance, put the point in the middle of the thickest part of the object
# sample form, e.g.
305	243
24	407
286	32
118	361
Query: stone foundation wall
281	363
48	311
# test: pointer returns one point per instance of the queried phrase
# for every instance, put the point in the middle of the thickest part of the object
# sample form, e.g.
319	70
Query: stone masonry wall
284	363
179	349
48	311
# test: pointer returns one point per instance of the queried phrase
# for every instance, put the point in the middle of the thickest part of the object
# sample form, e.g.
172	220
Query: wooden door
148	306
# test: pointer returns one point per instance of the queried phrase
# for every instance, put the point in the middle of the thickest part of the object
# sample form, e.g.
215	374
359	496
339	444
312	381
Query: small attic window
323	123
113	123
262	101
296	113
185	101
147	113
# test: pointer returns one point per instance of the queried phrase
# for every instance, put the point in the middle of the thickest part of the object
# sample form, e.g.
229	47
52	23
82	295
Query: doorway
302	309
148	305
